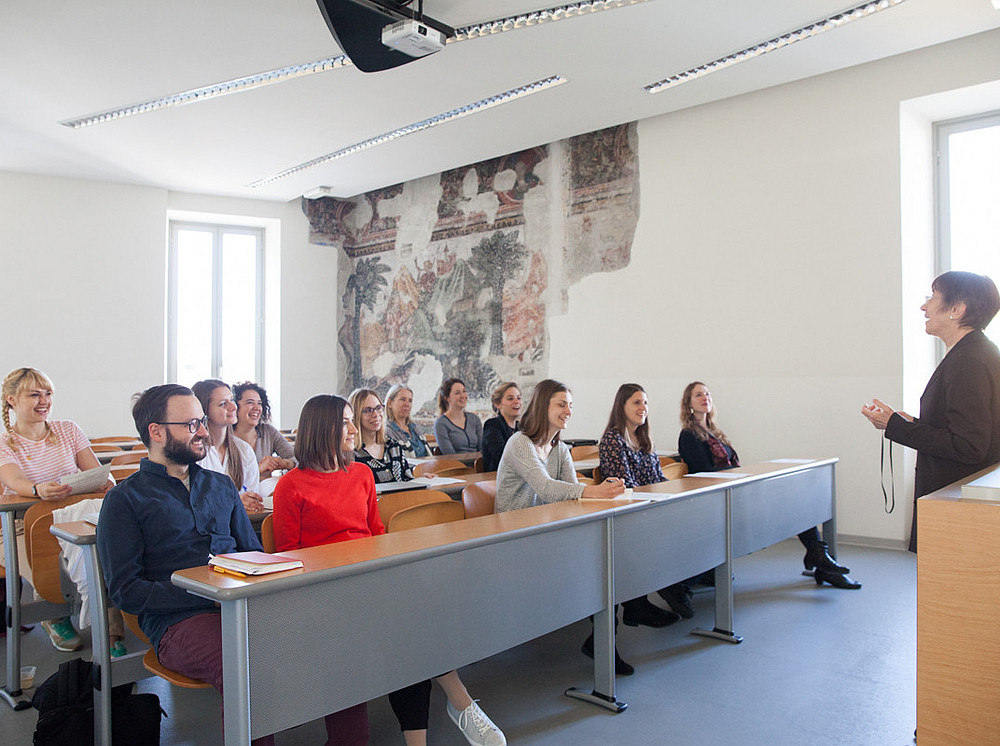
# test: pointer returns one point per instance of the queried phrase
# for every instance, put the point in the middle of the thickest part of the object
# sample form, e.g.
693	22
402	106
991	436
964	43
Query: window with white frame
968	195
216	302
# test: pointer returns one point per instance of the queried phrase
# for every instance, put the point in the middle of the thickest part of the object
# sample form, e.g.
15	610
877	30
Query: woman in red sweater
326	499
329	498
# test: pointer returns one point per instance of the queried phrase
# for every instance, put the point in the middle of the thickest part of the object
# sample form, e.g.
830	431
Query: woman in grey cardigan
536	467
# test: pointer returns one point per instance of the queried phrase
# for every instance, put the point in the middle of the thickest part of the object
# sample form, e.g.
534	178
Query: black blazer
958	431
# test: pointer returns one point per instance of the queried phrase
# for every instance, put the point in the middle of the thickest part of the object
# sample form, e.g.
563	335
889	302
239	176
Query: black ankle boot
836	579
622	668
818	556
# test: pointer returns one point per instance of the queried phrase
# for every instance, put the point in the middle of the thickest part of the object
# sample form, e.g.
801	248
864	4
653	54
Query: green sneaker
62	634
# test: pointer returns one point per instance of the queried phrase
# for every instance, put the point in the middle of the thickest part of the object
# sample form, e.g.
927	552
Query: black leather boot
818	556
836	579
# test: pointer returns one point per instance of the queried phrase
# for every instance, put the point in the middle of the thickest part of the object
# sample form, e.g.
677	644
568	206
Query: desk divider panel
660	543
349	645
771	510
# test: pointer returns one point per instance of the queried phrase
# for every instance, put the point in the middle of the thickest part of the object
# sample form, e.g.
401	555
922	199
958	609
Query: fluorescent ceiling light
212	91
772	45
249	82
410	129
558	13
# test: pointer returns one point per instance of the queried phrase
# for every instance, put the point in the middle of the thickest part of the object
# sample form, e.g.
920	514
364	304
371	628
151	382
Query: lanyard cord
890	503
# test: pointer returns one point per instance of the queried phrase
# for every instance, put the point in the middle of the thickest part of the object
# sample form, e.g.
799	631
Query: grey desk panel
661	543
771	510
397	625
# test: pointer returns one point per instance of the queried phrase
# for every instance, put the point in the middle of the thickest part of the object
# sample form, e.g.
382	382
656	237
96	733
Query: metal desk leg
830	526
99	643
11	693
236	672
604	637
724	588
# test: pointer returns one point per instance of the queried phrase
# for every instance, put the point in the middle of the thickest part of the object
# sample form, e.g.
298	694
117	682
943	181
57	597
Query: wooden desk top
16	503
333	559
695	485
80	533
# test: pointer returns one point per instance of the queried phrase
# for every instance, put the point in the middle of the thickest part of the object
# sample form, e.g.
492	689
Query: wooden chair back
598	477
675	470
123	472
130	440
441	467
392	502
132	457
582	452
267	534
664	460
102	448
477	465
42	547
427	514
152	664
584	480
479	498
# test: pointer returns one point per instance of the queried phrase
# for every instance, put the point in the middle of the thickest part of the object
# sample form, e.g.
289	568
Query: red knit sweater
313	508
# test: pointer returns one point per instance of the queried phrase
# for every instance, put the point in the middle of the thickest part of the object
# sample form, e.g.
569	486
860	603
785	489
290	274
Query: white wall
84	268
767	263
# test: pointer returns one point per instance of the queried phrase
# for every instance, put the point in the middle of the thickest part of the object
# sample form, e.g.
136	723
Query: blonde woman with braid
34	454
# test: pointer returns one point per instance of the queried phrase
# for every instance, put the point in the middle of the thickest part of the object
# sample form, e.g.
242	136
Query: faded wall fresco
456	274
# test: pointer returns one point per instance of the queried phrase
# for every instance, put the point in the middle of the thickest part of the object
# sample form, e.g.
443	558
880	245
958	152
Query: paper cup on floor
27	677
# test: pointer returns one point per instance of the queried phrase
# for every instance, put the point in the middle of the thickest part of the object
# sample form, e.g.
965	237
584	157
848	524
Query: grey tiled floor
817	666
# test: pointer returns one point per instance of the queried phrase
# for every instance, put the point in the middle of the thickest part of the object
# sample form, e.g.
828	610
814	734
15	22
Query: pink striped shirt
41	461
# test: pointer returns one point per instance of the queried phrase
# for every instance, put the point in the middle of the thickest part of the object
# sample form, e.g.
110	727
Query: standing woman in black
958	431
704	447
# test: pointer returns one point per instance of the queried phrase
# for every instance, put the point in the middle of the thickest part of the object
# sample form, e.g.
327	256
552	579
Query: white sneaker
476	726
62	634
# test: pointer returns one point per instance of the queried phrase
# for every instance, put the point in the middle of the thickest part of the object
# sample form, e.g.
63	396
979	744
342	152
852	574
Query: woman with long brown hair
705	447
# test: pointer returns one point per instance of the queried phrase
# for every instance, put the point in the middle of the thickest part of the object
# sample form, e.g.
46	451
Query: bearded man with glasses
170	515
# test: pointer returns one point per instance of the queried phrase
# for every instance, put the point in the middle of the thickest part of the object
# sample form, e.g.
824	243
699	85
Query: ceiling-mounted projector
360	28
413	38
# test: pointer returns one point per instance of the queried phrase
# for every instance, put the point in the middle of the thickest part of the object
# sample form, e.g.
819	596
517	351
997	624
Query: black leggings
412	705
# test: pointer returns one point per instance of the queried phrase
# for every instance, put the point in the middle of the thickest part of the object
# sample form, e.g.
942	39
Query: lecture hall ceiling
60	60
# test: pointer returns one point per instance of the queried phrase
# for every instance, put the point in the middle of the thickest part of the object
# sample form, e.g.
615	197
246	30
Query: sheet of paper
87	481
437	481
719	474
789	460
92	518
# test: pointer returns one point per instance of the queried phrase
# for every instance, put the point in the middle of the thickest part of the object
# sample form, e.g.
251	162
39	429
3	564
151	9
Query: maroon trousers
193	647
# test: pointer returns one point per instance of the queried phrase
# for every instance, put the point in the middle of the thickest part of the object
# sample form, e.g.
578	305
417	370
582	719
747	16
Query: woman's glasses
368	411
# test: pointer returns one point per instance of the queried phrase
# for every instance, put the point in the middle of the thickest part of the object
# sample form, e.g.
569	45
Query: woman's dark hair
150	406
265	405
203	390
619	422
320	437
535	421
977	292
445	391
689	422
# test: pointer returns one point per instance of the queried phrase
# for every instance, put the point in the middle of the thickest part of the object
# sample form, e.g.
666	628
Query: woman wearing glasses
227	454
34	455
382	455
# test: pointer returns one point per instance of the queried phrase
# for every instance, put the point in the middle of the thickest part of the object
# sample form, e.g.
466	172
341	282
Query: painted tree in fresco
366	282
496	258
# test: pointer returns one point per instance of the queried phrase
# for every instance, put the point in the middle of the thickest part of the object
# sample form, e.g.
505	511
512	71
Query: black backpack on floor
65	704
